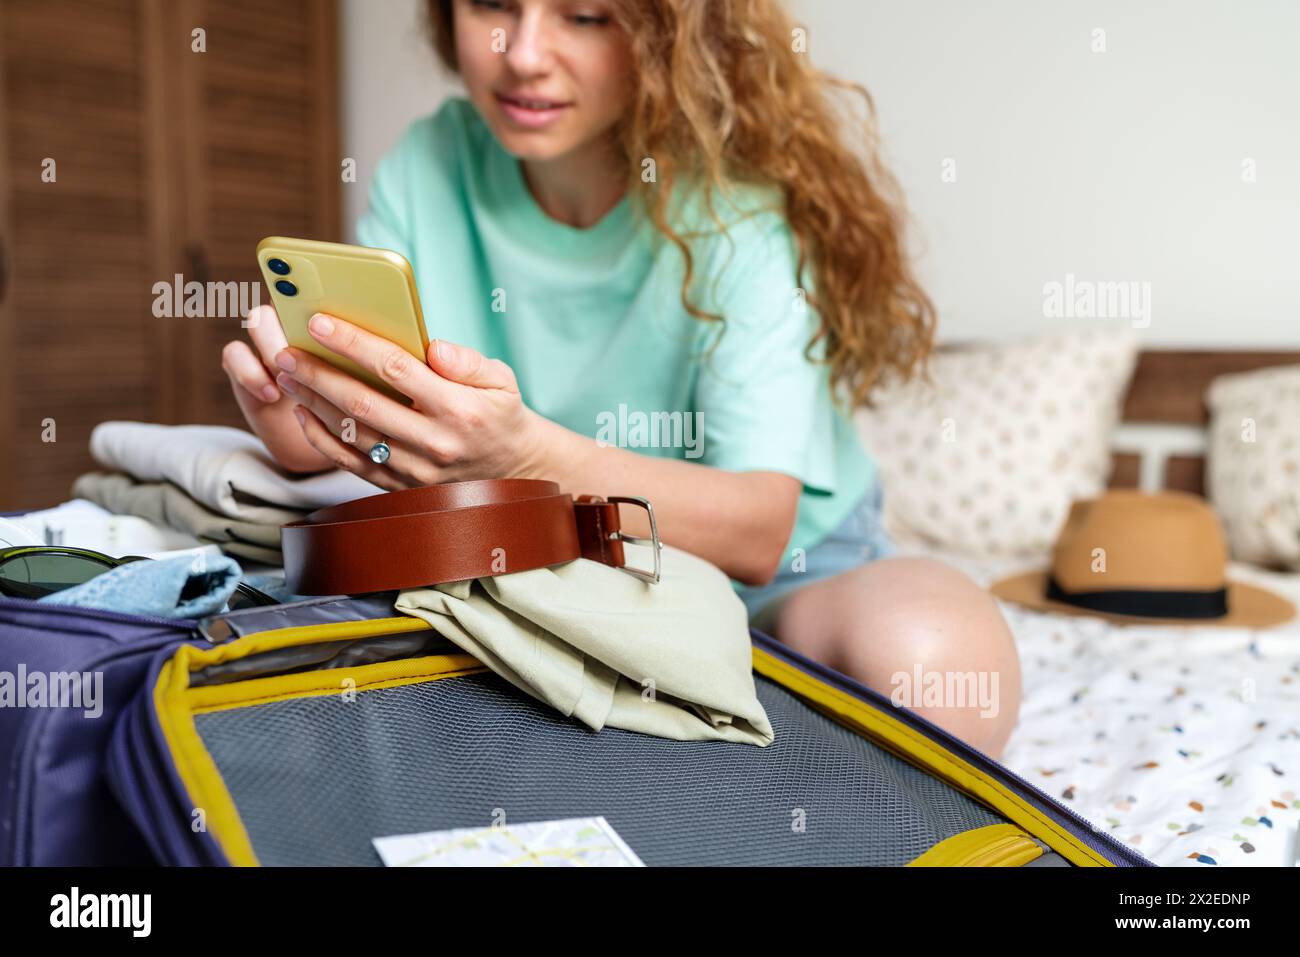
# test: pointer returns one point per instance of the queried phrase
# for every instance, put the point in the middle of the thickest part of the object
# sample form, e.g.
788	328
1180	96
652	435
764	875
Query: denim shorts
860	538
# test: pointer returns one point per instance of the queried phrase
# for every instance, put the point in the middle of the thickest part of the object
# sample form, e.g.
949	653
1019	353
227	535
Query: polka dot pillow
1253	463
987	459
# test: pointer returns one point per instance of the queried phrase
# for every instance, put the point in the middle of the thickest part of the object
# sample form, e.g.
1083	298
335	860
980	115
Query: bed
1183	743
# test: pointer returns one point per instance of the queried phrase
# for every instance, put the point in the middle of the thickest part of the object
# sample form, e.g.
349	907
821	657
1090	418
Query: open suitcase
293	735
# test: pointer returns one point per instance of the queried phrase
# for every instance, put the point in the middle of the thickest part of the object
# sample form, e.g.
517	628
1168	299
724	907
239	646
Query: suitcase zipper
1078	825
186	624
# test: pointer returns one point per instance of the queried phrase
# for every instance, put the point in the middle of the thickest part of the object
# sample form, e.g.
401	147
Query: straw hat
1135	557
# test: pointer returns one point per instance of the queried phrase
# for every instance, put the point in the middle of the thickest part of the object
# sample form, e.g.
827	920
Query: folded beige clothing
227	470
165	504
671	659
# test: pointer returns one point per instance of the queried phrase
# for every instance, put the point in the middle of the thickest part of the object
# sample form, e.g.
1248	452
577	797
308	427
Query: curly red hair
723	97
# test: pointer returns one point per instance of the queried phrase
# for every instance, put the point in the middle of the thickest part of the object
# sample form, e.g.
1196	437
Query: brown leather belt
451	532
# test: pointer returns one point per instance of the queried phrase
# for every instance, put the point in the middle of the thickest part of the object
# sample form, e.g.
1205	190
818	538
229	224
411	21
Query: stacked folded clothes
218	484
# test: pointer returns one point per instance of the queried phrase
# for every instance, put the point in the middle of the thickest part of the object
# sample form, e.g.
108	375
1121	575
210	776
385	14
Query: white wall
390	76
1117	166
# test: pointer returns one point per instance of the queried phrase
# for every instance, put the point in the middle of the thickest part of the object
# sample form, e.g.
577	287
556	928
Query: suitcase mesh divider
314	779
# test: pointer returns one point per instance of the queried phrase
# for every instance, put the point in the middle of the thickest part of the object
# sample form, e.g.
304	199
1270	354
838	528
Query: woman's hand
468	420
268	413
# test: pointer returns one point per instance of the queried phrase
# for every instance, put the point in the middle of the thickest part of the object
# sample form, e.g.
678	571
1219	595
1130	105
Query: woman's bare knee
921	633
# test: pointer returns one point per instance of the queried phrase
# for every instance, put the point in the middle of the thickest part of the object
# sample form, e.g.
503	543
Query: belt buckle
652	541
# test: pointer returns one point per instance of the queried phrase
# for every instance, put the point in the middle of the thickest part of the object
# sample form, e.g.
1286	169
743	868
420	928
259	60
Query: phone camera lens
278	266
286	287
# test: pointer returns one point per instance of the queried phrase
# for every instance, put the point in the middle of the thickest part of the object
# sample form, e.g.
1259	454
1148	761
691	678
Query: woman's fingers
247	371
361	437
248	368
392	364
346	456
470	367
454	404
358	401
266	332
270	419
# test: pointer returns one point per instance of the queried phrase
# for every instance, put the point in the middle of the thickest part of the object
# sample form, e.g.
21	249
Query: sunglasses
38	570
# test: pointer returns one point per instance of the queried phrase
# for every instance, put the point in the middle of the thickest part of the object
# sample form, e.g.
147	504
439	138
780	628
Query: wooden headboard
1168	389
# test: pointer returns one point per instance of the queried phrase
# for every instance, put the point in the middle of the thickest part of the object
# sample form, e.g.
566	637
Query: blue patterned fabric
187	586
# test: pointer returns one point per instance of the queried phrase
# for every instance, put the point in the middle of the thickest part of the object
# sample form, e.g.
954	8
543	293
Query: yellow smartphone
371	288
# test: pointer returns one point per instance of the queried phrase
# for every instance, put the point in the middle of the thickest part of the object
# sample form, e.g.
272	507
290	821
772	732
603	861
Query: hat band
1145	603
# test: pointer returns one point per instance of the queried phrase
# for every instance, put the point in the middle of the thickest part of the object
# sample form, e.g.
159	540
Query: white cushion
1253	463
987	461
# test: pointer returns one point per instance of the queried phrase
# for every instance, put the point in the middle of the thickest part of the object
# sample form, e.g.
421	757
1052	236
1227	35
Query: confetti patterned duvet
1182	742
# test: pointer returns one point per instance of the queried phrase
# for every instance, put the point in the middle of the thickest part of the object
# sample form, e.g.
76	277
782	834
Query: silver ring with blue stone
379	452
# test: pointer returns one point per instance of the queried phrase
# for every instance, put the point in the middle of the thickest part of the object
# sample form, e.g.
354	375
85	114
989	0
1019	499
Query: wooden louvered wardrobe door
259	134
166	161
79	228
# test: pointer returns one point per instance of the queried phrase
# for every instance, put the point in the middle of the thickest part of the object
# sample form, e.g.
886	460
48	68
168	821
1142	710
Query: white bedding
1182	742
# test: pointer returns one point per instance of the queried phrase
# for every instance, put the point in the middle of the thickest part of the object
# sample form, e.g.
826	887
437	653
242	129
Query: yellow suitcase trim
176	703
995	845
909	744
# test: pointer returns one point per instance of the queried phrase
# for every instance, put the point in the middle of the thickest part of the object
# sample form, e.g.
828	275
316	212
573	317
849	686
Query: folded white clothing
228	470
42	526
84	524
14	534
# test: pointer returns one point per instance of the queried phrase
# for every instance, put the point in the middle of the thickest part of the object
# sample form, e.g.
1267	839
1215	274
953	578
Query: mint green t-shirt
591	320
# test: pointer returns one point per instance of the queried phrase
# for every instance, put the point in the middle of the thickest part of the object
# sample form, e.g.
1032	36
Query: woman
644	212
